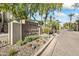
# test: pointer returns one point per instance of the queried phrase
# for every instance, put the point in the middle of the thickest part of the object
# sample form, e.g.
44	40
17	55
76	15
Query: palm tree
75	5
70	15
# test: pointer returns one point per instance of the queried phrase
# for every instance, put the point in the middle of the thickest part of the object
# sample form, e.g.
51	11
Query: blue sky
66	10
62	16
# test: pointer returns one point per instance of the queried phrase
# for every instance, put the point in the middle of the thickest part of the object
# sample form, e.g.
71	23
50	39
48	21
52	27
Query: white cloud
60	14
76	14
68	5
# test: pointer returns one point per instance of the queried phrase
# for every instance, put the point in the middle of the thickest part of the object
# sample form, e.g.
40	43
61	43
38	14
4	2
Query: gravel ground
28	49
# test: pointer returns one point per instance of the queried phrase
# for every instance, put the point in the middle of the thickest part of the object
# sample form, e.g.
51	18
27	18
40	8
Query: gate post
14	32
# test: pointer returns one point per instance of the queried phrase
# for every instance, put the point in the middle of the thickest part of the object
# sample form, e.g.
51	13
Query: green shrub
19	42
27	39
12	52
46	29
30	38
24	42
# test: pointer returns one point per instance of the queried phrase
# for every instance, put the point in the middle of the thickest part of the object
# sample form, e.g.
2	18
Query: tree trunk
34	18
46	18
2	23
70	21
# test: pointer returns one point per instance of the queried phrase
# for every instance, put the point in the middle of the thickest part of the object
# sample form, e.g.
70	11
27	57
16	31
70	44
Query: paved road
67	44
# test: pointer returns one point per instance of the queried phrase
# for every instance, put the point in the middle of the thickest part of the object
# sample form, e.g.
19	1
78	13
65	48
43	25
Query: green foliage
72	26
69	26
66	25
71	15
12	52
30	38
22	10
46	29
77	21
53	23
76	24
20	42
17	10
40	22
27	39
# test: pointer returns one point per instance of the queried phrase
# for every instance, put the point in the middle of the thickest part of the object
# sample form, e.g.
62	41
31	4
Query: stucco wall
14	31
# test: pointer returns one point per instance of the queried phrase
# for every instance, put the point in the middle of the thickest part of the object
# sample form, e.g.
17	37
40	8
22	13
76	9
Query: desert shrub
21	42
30	38
12	52
27	39
46	29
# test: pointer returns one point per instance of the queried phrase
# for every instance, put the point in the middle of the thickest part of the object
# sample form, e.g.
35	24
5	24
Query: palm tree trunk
70	22
45	19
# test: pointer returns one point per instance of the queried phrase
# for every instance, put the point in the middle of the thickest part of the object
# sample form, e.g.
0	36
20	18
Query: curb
39	52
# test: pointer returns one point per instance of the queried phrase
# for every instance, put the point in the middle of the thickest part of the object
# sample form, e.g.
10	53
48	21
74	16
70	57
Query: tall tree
22	10
45	9
3	10
70	15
